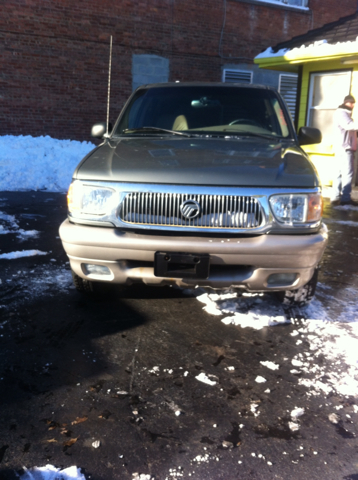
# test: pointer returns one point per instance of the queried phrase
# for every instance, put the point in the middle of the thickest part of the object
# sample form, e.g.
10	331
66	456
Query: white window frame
244	73
286	3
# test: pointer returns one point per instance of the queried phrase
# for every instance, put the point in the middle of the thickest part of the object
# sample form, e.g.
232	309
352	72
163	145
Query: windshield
206	110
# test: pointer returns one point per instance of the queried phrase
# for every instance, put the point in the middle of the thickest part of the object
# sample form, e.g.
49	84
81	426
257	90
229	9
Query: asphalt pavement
111	385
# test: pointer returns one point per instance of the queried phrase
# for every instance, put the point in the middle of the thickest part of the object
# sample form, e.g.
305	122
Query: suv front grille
215	211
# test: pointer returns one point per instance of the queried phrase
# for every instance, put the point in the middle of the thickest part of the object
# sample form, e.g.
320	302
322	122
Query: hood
199	161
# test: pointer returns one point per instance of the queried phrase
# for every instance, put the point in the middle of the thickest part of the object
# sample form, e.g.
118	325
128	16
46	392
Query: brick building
54	53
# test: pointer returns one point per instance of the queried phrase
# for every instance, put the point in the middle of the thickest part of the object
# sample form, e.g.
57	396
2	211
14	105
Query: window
237	76
291	3
288	88
326	92
205	110
149	69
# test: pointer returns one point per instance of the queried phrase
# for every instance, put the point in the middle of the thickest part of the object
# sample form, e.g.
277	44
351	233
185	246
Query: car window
206	109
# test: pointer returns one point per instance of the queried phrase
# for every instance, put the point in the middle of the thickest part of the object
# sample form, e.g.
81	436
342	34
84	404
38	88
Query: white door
326	93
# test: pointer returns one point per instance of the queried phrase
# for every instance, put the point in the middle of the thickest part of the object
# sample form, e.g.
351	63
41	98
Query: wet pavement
110	385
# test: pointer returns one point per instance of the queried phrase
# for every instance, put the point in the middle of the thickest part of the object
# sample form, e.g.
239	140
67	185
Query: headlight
89	199
297	208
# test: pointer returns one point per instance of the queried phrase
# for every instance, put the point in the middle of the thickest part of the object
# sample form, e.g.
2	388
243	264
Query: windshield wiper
157	129
253	134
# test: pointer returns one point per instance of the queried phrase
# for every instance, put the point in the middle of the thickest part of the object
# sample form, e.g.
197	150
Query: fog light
281	279
96	269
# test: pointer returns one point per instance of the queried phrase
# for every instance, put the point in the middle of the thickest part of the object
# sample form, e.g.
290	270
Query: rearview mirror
309	136
99	129
205	102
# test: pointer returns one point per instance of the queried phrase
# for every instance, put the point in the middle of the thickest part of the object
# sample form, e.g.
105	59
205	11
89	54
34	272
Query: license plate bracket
181	265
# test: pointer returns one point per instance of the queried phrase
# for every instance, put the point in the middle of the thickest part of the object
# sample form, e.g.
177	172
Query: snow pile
39	163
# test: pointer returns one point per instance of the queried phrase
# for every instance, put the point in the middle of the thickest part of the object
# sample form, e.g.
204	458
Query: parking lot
151	381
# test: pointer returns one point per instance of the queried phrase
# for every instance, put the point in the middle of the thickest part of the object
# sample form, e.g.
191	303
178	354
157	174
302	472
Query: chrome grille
217	211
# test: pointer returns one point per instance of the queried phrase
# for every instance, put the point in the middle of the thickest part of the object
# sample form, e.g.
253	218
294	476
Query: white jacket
345	129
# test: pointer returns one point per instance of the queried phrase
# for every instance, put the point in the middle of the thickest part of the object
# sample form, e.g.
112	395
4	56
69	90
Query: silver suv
199	184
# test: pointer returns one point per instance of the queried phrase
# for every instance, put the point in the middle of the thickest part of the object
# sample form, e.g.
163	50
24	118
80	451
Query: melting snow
270	365
334	339
294	426
248	310
141	476
202	377
260	379
297	412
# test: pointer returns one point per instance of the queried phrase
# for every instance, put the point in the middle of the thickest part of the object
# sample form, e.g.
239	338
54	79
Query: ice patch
49	472
10	225
25	234
42	280
23	253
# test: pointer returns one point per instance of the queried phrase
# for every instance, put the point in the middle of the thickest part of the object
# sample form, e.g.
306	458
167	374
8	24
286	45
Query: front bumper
240	262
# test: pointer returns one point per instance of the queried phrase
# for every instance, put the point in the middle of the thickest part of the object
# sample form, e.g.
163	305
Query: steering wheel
246	121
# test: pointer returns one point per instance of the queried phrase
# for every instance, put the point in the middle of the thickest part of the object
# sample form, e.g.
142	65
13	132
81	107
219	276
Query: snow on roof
320	48
340	34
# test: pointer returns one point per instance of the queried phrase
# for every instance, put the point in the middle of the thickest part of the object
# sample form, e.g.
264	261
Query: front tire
301	296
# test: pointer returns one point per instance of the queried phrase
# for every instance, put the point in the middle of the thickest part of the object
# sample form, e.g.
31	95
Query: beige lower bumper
238	262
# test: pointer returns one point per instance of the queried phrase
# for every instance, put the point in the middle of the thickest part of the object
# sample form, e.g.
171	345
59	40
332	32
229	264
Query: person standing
345	147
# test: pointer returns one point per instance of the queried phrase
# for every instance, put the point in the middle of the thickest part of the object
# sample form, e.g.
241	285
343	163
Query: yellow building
326	61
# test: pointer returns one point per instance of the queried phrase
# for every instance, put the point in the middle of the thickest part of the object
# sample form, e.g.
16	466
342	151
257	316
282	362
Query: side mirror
309	136
99	129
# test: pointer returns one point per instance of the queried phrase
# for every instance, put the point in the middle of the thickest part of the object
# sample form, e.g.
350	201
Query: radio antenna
109	85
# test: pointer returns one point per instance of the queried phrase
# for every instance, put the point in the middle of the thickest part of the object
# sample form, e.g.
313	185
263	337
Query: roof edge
321	50
309	33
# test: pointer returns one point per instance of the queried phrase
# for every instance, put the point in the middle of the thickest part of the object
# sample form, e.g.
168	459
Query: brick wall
54	53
